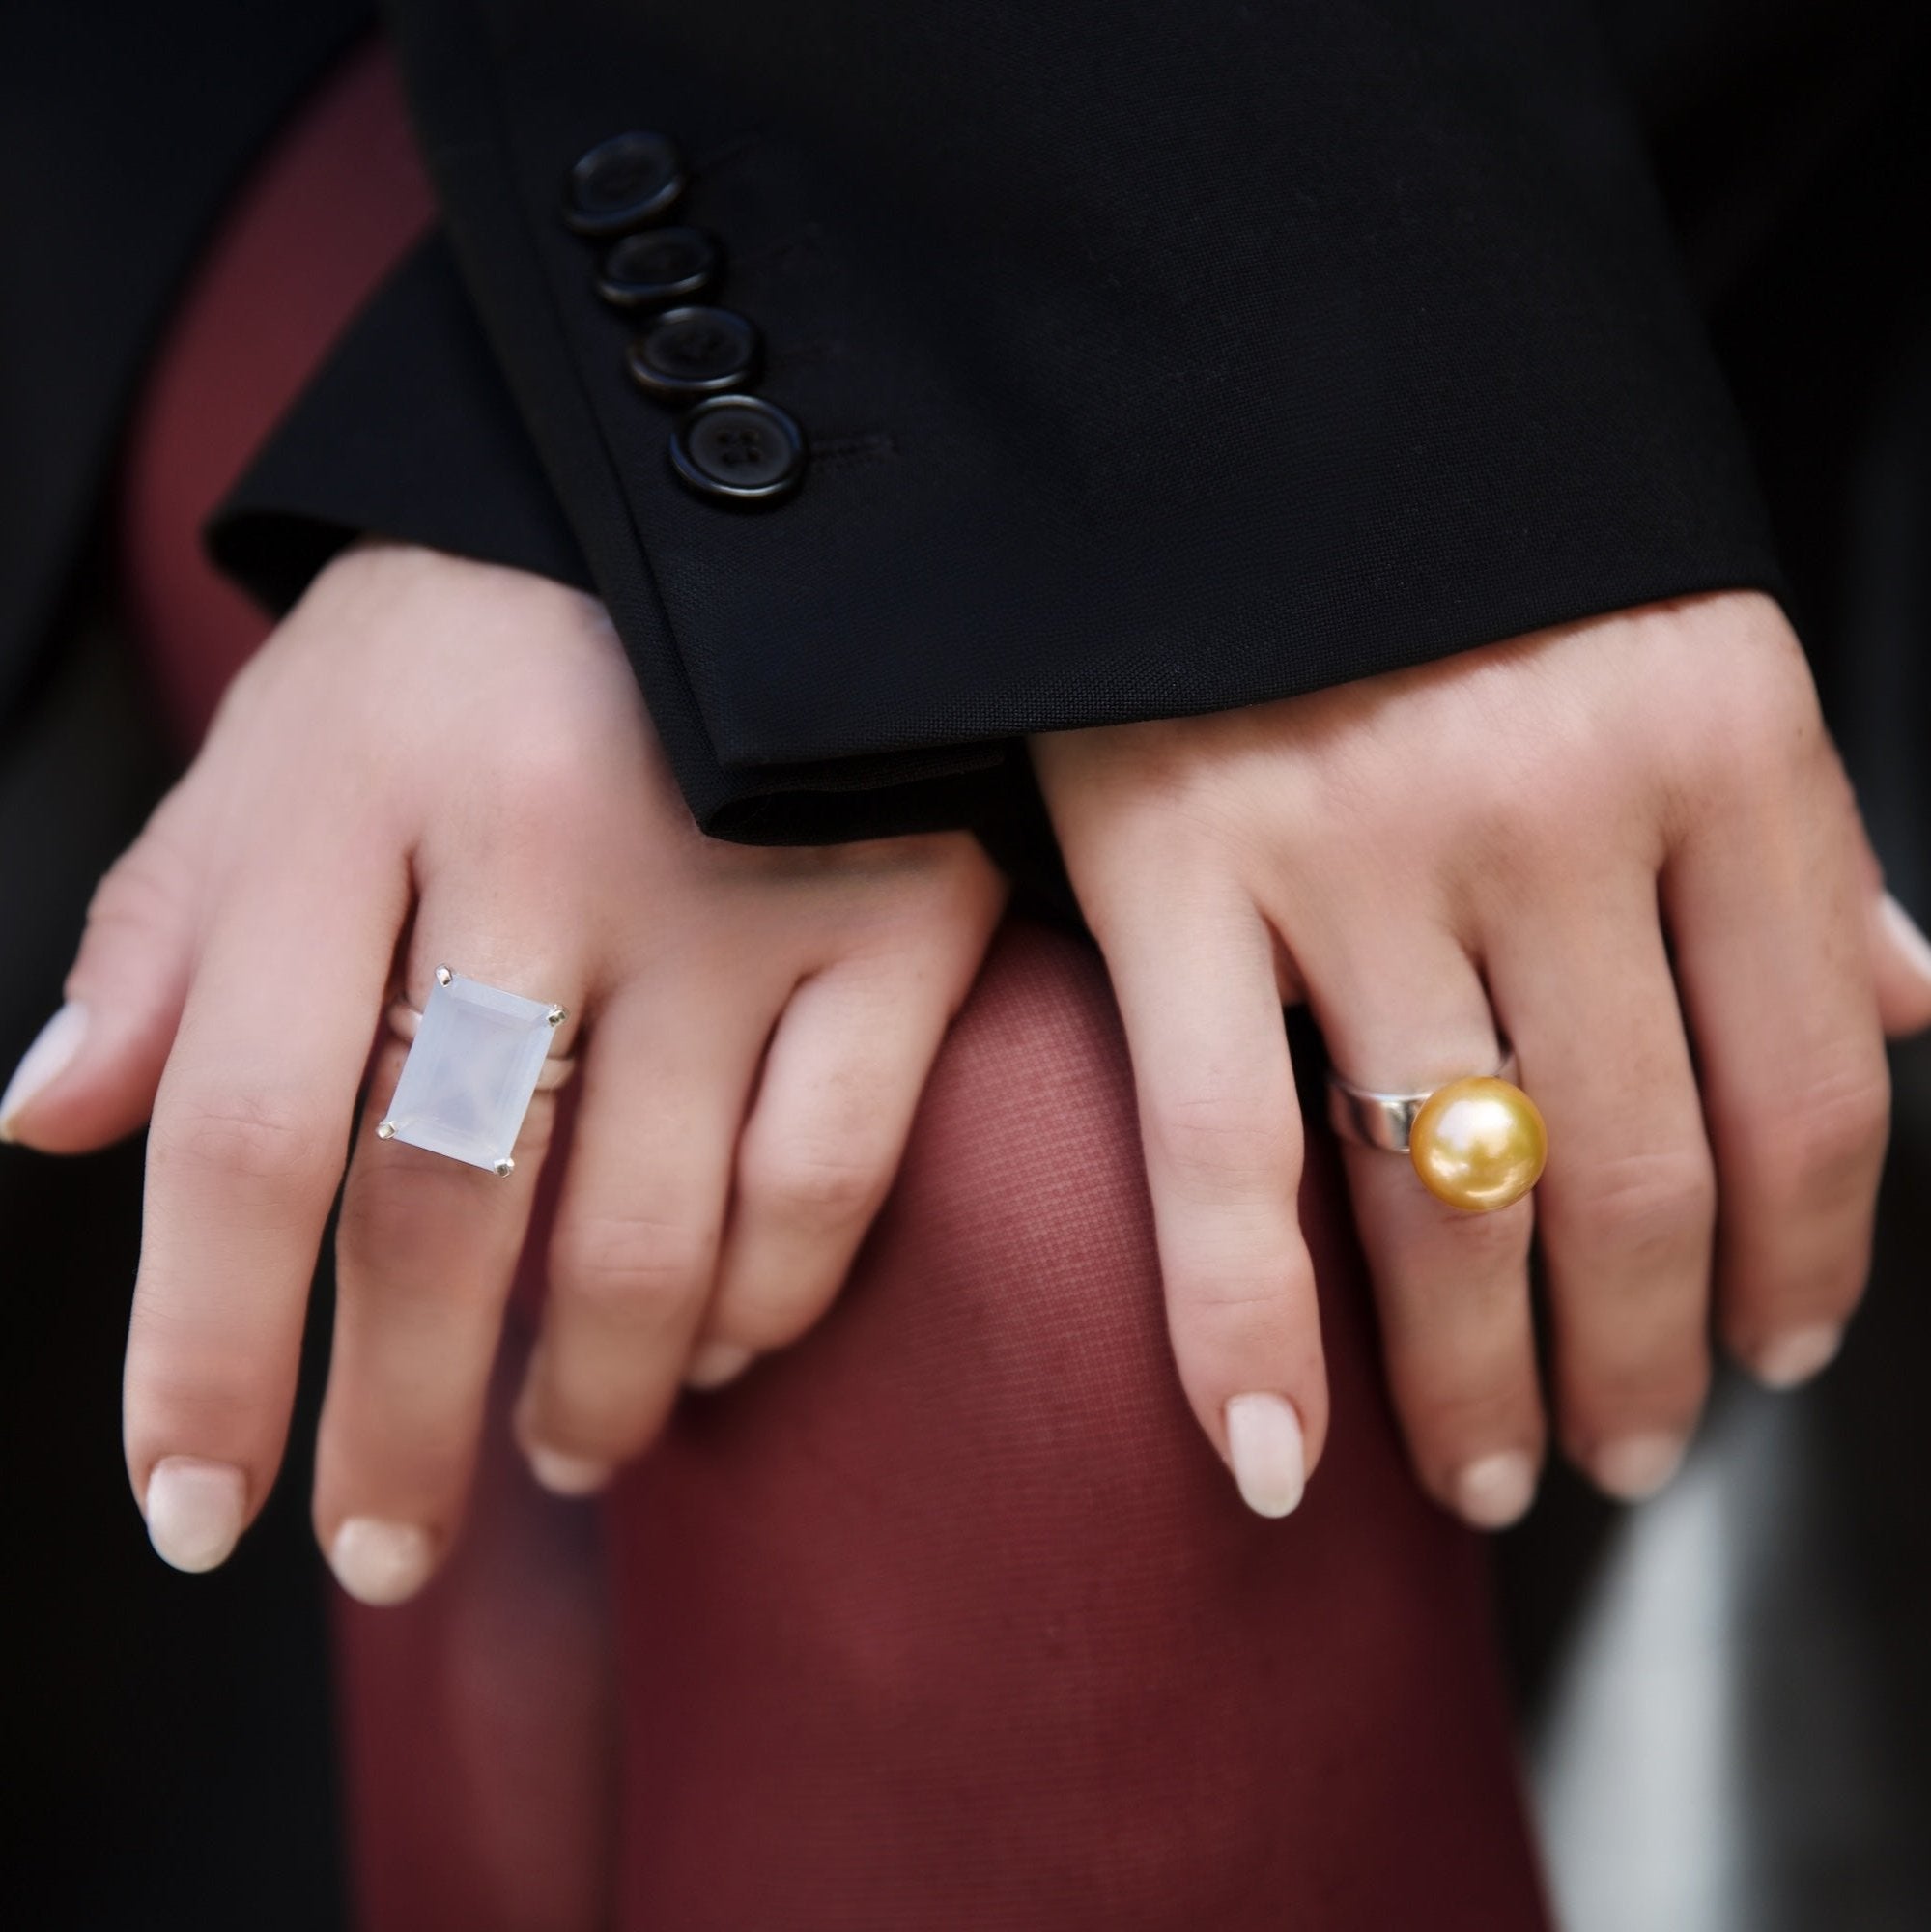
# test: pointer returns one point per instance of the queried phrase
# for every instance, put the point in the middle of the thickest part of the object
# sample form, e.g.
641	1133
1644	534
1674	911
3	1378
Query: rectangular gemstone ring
476	1054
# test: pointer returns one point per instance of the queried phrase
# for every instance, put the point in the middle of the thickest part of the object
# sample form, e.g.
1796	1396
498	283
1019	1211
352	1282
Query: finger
90	1076
251	1121
426	1250
833	1110
1198	991
635	1251
1900	952
1452	1287
1625	1211
1768	910
1901	962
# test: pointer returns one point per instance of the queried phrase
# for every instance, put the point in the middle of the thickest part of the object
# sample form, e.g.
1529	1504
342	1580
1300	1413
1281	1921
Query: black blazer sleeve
1152	360
409	432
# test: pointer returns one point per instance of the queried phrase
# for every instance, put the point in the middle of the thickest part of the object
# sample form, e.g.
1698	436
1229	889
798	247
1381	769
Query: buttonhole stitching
869	447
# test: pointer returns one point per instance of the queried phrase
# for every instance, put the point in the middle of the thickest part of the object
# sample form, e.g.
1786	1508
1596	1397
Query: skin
1627	846
434	760
430	761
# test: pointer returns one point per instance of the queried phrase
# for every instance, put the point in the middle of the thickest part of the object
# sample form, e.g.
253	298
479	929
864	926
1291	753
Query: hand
434	761
1628	846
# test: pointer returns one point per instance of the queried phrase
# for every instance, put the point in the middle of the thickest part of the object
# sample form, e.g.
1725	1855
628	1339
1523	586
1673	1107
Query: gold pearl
1479	1144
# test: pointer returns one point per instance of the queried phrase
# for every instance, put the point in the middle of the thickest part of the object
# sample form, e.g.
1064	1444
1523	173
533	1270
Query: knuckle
1229	1295
552	771
1829	1143
268	1139
1451	1419
1255	1276
634	1270
1644	1204
398	1220
816	1183
767	1315
142	893
1657	1385
1772	722
1225	1145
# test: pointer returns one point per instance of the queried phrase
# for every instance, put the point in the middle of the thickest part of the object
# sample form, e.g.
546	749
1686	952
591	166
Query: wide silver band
1386	1121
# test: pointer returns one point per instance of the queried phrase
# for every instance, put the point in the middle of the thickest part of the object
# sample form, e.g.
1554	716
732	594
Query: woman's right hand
434	760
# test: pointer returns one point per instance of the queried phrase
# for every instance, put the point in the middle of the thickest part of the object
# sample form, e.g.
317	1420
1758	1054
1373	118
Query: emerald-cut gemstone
466	1083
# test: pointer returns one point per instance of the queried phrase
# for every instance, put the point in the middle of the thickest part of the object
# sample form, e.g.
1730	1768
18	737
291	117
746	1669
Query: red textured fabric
952	1619
948	1618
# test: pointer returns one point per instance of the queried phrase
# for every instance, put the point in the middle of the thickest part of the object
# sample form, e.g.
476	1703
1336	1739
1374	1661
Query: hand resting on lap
1625	846
435	761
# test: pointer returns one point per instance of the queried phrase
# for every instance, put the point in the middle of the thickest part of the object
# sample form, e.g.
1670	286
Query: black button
738	449
662	265
694	352
623	182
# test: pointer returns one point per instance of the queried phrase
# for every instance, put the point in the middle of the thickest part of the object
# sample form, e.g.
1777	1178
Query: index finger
1222	1134
250	1132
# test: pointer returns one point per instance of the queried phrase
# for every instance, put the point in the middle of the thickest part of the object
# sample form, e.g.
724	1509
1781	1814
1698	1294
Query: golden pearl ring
1478	1144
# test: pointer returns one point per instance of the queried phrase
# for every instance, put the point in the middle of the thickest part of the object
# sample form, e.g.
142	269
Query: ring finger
635	1251
426	1249
1451	1286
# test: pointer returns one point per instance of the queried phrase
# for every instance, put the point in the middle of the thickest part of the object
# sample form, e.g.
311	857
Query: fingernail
1638	1466
54	1046
1795	1357
1269	1458
194	1511
717	1363
379	1562
1909	935
1496	1491
567	1475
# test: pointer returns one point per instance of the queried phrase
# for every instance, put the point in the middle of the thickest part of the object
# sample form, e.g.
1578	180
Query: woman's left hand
1627	847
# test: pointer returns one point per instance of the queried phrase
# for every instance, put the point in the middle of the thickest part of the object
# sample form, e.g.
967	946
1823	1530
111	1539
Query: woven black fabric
1155	360
409	430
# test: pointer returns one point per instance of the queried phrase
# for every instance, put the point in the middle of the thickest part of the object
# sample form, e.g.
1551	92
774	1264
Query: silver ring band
1385	1121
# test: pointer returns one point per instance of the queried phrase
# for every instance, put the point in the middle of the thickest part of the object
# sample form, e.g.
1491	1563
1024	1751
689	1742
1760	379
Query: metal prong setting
444	976
506	1166
386	1130
557	1015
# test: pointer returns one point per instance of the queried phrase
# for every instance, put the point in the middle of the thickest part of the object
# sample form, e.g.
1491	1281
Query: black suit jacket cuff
408	431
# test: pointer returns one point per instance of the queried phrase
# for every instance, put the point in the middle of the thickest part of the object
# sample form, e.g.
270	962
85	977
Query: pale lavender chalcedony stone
466	1083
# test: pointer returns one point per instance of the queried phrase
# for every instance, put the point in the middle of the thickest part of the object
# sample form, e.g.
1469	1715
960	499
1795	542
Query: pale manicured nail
1638	1466
379	1562
1269	1458
54	1046
717	1363
1909	935
195	1510
567	1475
1795	1357
1496	1491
